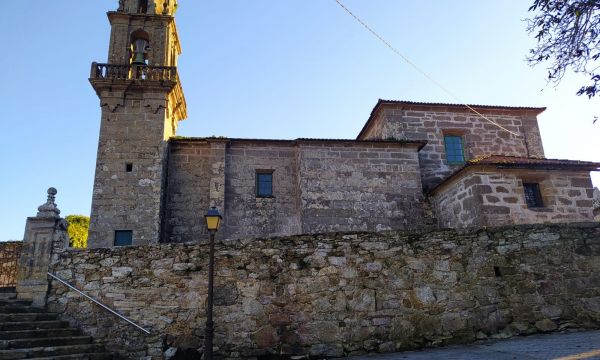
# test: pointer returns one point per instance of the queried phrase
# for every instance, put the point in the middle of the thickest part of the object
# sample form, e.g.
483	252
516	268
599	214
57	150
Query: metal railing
97	302
9	257
133	72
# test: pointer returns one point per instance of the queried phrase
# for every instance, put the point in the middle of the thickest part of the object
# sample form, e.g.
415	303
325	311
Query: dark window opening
264	184
123	237
533	196
454	149
129	167
497	271
142	6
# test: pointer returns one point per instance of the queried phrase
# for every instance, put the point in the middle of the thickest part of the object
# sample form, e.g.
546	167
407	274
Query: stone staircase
28	332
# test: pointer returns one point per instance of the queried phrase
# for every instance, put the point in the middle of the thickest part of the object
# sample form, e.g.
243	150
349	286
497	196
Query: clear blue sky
266	69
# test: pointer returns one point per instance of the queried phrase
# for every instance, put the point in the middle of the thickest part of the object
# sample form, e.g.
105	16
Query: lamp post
213	220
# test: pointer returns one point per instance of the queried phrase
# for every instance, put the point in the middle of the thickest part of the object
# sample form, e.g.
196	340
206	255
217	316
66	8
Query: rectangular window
123	237
128	167
454	149
533	196
264	183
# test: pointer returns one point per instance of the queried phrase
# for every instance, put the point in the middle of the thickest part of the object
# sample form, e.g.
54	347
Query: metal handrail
98	303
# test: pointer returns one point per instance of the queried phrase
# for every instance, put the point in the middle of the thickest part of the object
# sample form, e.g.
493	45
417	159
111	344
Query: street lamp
213	220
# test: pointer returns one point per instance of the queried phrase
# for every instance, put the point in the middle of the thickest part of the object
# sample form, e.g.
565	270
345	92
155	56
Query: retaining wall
339	294
9	254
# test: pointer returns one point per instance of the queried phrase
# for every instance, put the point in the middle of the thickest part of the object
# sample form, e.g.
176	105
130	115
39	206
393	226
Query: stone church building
413	165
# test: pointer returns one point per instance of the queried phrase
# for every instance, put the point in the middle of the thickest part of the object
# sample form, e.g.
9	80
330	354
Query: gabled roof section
514	162
446	107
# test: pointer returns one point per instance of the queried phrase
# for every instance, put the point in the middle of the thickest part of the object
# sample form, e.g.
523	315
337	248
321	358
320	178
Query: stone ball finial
49	209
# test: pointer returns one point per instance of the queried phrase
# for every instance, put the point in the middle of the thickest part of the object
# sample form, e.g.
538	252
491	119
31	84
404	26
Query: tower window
264	183
128	167
533	196
142	6
454	149
123	237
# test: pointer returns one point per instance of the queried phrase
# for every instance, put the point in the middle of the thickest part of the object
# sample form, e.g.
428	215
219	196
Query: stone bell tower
142	102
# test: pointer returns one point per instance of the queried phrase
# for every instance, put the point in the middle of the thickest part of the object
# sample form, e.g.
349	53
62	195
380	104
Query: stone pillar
44	234
596	204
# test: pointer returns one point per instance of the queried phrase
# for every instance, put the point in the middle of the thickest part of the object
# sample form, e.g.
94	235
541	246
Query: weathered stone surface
430	288
318	186
9	254
431	122
458	204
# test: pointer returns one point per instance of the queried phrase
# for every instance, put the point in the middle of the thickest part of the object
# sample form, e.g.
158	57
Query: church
412	166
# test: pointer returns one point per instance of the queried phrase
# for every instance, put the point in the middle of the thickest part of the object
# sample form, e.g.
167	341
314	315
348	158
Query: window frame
538	200
258	174
130	232
462	149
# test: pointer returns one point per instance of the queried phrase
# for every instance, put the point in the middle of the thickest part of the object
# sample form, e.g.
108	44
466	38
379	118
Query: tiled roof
380	102
502	161
515	162
419	143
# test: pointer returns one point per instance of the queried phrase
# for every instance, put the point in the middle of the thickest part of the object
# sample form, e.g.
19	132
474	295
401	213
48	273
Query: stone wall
9	254
247	215
480	137
338	294
357	186
596	204
318	186
492	197
187	195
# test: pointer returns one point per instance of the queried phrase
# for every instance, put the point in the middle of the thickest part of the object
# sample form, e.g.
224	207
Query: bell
138	58
139	52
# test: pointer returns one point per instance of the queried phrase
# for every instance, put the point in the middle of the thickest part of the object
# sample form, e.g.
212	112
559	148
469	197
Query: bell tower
142	102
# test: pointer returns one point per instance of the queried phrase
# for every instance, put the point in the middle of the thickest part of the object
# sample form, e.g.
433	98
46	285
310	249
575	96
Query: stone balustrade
133	72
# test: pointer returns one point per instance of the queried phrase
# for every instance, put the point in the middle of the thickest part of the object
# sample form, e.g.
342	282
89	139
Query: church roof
514	162
440	106
418	143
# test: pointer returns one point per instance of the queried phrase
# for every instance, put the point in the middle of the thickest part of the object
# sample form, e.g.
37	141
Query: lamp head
213	219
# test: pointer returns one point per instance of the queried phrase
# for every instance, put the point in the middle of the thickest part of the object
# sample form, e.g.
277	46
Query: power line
414	66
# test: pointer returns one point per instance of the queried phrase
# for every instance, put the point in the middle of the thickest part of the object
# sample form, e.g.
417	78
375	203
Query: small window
264	183
533	196
123	237
129	167
454	149
142	6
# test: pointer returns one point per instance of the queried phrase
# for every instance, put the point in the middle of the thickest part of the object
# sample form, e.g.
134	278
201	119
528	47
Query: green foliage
568	38
78	230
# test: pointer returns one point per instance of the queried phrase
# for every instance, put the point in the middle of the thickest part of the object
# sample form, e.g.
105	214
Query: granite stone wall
132	134
338	294
9	254
596	204
187	195
248	215
480	137
318	186
348	187
494	197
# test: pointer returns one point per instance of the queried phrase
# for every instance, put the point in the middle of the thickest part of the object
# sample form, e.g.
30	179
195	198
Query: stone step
19	309
32	325
87	356
8	293
50	351
5	302
48	341
21	317
37	333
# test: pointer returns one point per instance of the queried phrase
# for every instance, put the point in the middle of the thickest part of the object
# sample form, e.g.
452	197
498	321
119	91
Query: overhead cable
414	66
